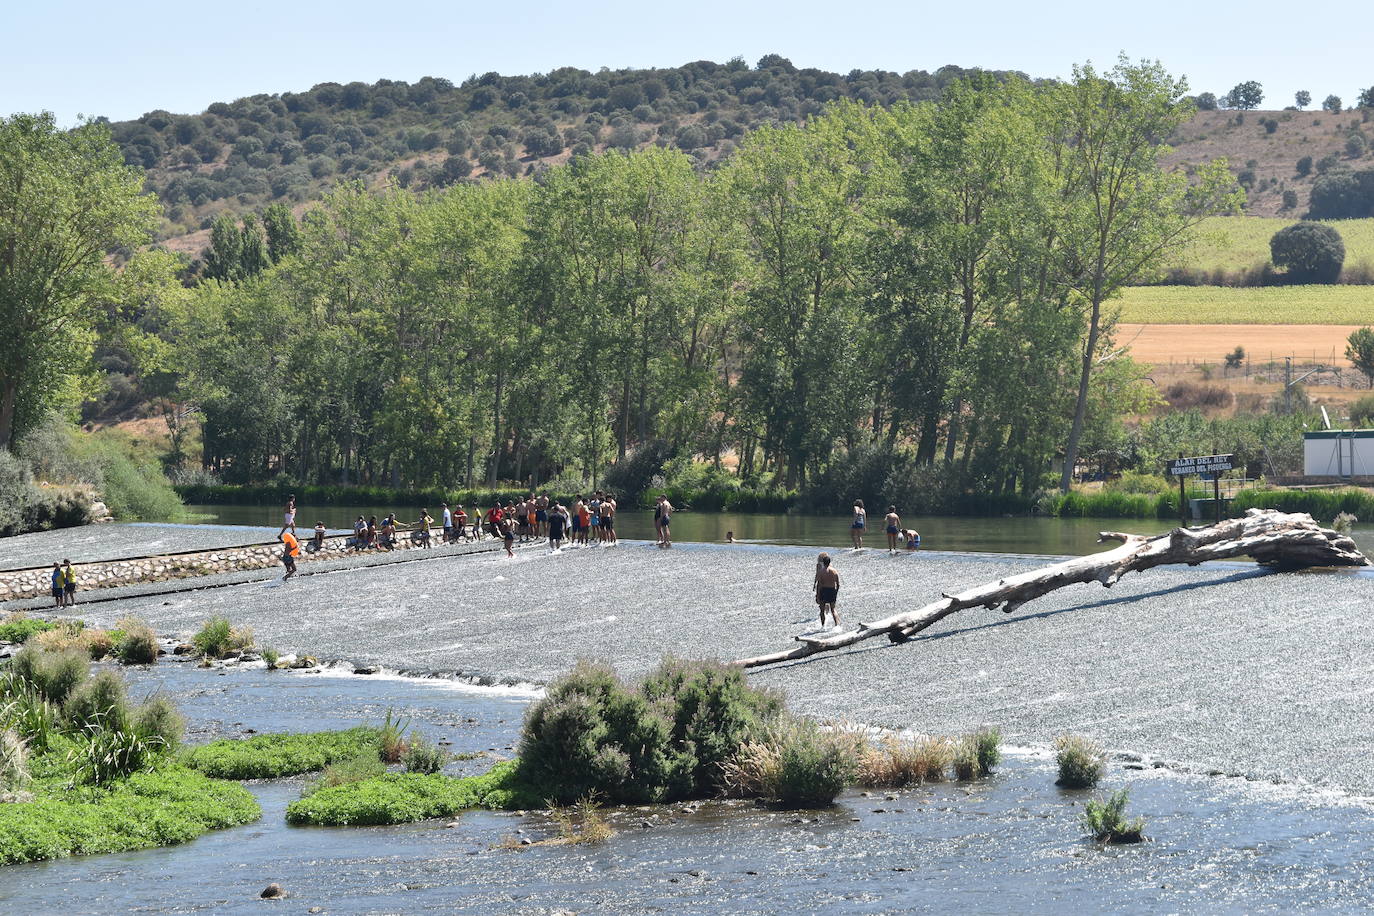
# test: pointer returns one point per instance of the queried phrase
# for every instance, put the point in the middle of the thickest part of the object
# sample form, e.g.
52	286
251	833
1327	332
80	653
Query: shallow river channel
1010	843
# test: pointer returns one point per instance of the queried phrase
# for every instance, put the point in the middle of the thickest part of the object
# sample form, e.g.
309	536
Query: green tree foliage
1359	349
1206	101
1332	103
66	202
1342	195
1125	213
1366	98
1302	98
1245	96
930	274
1308	252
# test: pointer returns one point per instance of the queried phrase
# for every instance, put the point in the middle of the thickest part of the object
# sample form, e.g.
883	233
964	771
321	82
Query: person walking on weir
289	518
291	549
827	586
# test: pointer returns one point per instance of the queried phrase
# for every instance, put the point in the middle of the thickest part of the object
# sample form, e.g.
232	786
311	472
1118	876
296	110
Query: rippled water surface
1008	843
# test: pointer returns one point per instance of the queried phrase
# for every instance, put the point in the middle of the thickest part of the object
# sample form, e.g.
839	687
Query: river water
1223	669
1010	843
1021	534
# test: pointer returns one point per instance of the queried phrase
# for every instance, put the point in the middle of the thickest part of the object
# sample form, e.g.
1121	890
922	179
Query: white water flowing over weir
1223	667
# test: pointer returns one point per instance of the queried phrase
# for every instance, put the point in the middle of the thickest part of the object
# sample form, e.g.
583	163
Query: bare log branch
1281	540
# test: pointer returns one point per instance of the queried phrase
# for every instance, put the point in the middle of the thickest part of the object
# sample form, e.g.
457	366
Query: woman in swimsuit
894	527
856	529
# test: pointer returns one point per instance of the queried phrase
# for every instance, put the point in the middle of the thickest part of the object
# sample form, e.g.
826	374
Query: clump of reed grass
218	638
14	761
976	754
61	638
794	763
1081	761
422	757
52	675
1106	819
391	741
270	655
1344	522
103	698
894	762
581	822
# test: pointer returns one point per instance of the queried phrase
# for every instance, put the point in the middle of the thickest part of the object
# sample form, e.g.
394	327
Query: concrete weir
35	582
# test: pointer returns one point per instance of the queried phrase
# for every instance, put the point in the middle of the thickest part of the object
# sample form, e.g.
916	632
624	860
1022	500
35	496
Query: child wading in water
827	587
894	527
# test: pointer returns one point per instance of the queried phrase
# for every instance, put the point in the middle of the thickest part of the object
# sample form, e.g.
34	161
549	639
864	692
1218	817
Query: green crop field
1248	305
1237	242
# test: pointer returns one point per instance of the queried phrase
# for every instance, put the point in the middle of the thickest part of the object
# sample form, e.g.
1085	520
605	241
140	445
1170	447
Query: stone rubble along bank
36	582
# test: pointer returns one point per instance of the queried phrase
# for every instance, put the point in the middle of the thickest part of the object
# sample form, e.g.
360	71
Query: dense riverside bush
137	643
1081	762
277	756
659	741
102	698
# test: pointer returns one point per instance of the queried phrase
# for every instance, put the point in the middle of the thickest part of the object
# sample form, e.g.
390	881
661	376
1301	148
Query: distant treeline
432	133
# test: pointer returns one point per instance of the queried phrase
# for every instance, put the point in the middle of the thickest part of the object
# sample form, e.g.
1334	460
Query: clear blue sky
123	59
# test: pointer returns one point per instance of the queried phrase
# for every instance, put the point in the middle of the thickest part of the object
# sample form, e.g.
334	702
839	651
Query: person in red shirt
290	550
494	516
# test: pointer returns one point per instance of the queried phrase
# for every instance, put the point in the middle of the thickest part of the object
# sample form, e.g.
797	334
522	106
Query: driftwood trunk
1282	540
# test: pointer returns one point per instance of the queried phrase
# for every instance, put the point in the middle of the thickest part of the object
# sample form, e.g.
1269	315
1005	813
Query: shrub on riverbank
402	798
1323	505
1106	819
1081	762
137	643
52	675
660	740
277	756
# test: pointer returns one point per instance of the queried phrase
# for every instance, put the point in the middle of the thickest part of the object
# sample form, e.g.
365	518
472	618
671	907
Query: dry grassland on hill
1212	134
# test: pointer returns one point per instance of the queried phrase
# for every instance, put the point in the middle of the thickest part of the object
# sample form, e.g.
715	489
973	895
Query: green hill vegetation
290	147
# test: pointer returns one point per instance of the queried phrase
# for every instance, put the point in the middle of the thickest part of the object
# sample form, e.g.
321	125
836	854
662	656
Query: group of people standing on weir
63	584
898	537
589	521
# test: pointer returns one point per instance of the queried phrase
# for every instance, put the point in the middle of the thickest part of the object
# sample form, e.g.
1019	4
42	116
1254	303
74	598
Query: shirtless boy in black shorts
827	587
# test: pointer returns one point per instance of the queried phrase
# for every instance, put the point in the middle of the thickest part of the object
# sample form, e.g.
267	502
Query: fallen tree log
1276	539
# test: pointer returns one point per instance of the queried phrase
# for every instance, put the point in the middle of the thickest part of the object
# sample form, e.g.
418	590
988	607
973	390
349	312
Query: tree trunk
8	399
1081	407
1285	541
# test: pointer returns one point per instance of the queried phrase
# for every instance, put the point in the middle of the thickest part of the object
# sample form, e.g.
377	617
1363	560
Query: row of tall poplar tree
934	277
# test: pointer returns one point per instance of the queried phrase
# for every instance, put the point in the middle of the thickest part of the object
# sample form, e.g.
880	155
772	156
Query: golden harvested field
1166	344
1278	305
1234	242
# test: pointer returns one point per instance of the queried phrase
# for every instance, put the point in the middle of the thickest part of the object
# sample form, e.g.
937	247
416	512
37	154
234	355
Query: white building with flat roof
1338	453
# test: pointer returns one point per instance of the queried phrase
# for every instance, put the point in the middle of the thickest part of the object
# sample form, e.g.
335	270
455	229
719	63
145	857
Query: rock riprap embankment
36	581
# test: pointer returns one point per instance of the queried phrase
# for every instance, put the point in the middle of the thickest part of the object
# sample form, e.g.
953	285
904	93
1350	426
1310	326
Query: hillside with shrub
291	147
